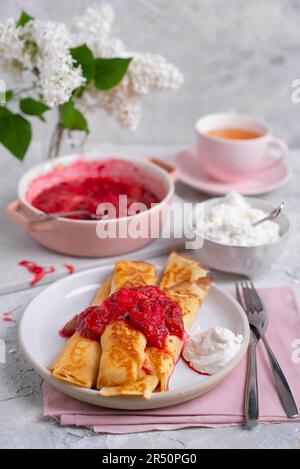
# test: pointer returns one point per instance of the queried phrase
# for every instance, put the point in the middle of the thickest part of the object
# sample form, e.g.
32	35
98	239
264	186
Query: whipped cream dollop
209	351
231	222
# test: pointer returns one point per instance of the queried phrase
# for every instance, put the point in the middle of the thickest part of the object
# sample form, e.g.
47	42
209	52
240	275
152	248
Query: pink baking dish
79	237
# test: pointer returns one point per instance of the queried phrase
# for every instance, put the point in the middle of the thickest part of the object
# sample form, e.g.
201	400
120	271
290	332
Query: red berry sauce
87	192
147	309
37	271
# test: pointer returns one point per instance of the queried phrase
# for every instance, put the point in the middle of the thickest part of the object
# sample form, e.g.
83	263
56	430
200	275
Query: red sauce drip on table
70	268
8	319
6	316
87	193
38	271
147	309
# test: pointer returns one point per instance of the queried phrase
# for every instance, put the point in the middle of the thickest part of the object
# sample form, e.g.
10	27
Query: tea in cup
232	147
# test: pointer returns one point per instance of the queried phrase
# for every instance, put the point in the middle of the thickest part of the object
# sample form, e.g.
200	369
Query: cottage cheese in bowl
231	223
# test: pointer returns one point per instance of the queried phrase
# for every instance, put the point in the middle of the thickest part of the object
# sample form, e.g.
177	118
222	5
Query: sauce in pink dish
84	185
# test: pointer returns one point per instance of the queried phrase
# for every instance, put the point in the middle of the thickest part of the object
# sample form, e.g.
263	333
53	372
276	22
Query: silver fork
258	320
251	394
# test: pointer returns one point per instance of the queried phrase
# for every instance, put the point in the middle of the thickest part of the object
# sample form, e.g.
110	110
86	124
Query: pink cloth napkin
223	405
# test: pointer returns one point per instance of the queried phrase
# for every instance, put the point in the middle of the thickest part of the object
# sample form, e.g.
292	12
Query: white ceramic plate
51	309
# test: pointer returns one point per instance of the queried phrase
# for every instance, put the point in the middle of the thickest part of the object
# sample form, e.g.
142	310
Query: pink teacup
233	159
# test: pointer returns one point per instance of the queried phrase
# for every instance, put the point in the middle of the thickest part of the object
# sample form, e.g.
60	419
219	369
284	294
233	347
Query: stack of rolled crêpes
122	364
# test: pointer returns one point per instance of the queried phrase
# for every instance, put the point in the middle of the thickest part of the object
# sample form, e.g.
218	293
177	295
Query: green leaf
24	18
72	118
15	133
9	95
32	107
83	56
4	112
79	92
109	72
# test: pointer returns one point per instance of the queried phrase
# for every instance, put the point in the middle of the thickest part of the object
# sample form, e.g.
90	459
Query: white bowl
247	261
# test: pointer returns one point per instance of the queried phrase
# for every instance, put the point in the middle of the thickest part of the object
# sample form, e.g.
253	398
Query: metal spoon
54	216
271	216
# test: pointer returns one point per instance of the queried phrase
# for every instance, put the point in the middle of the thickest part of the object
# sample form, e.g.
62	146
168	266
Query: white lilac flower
124	107
95	22
41	48
150	72
13	57
93	28
101	47
146	73
58	77
119	102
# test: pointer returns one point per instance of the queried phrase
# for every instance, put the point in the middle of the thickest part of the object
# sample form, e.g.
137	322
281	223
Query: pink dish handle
169	168
16	214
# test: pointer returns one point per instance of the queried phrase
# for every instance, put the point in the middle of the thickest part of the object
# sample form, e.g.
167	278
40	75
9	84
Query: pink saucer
192	174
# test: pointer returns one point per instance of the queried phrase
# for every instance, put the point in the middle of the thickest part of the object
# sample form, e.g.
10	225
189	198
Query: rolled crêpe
133	274
78	361
123	347
185	281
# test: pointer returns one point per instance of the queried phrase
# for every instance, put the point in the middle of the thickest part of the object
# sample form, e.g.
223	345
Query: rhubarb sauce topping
146	308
